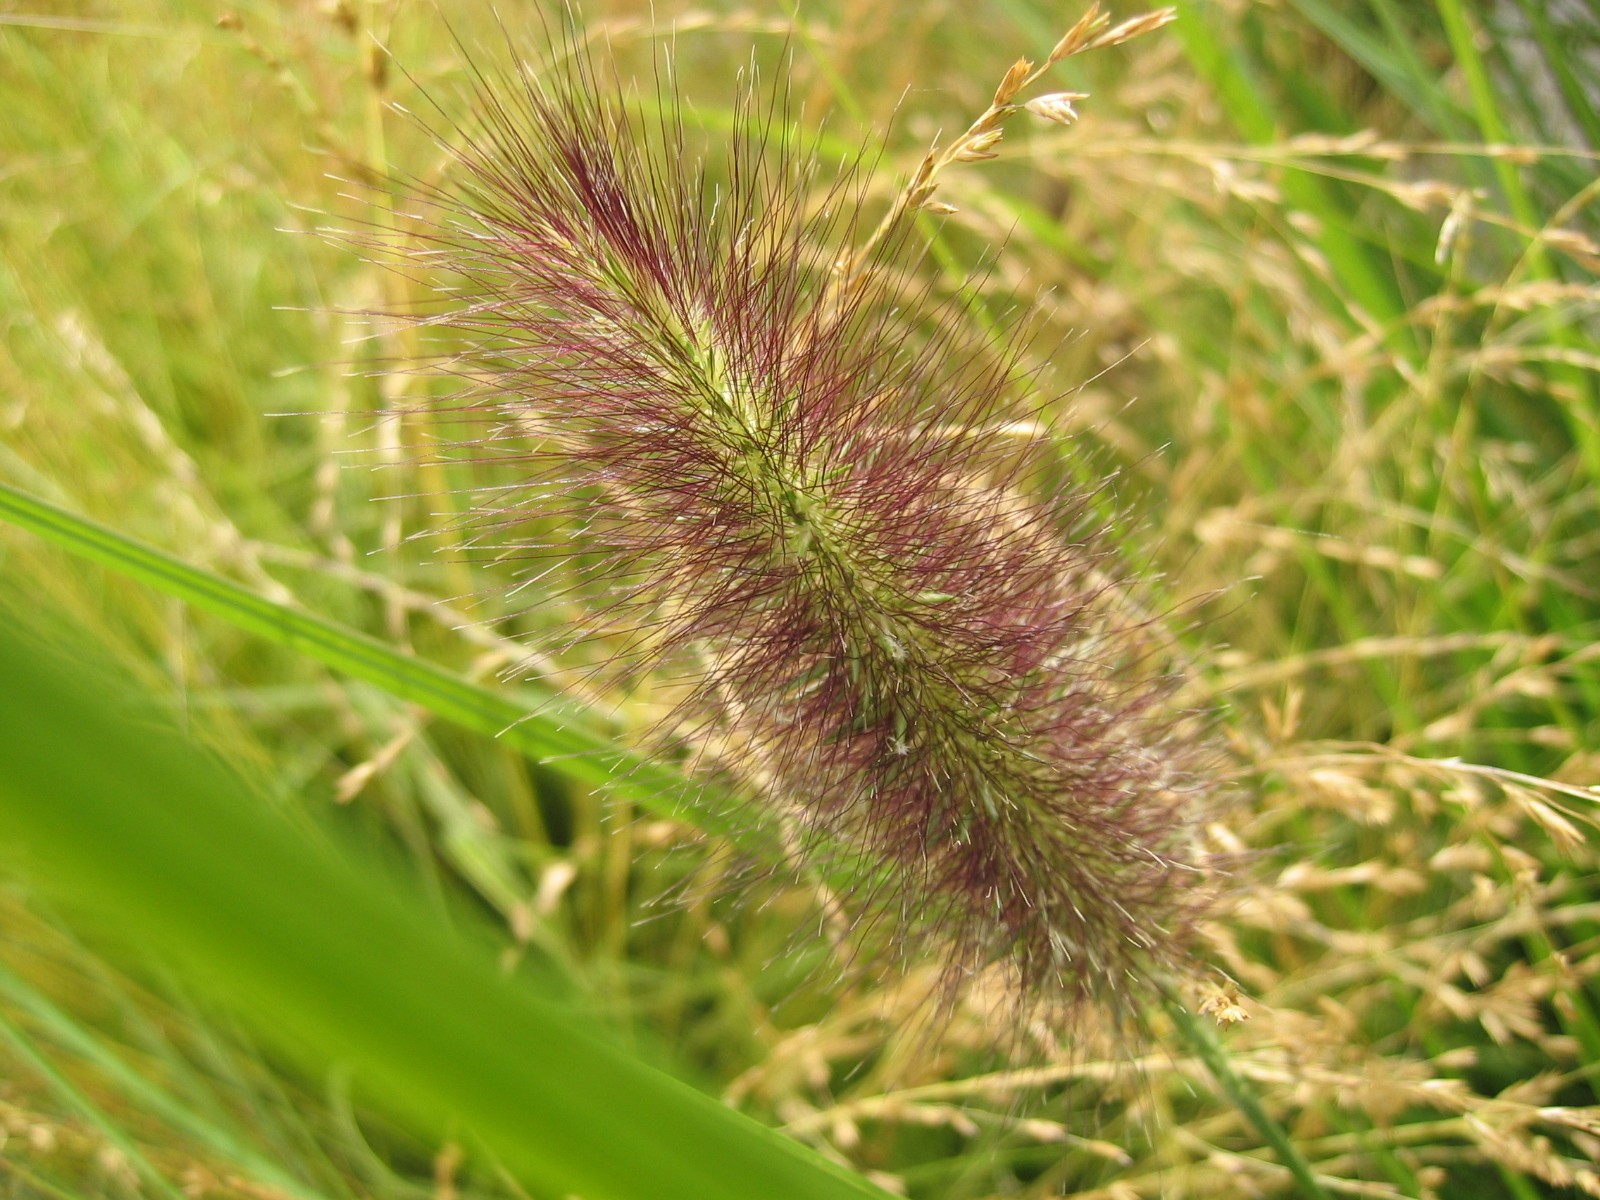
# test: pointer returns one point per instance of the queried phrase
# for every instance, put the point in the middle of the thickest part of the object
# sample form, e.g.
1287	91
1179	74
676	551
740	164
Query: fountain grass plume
788	482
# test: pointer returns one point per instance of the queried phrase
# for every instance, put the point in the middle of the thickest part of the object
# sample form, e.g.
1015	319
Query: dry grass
1343	369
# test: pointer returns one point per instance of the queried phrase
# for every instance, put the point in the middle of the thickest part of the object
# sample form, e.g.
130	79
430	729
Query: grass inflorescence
1317	281
782	487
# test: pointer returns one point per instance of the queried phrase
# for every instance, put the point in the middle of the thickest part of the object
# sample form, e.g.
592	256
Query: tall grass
1317	286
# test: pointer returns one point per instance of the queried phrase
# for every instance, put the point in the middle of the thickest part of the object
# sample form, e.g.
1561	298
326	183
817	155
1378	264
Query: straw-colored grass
1316	281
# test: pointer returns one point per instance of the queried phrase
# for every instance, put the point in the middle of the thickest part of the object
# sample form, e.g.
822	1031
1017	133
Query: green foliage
147	836
1320	289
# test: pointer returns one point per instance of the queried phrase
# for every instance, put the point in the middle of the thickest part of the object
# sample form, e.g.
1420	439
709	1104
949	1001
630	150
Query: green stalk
145	1095
115	817
1583	414
87	1109
1242	1096
548	729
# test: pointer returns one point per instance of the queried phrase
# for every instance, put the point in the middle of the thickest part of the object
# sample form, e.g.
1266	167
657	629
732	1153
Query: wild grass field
1310	324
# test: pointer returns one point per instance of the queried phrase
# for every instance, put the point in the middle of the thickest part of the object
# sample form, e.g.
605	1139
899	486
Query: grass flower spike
788	482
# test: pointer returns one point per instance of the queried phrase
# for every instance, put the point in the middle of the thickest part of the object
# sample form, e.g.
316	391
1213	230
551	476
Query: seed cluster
792	484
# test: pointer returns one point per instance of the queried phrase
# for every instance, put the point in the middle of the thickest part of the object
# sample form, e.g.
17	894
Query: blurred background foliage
1314	279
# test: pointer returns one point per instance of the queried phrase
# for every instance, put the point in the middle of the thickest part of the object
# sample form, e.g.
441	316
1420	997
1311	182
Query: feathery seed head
797	496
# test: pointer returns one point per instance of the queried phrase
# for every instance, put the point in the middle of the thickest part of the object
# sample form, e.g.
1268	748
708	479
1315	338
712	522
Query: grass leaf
149	835
566	742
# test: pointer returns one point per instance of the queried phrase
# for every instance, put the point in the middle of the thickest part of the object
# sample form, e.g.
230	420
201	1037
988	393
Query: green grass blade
1390	56
146	1095
129	823
1582	412
546	728
20	1044
1211	1052
30	1184
1580	101
1236	79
